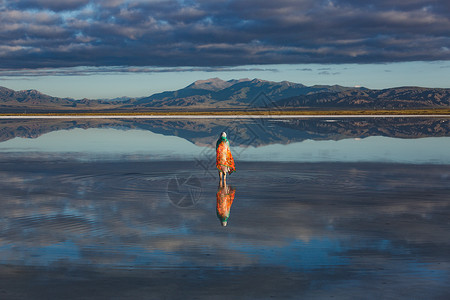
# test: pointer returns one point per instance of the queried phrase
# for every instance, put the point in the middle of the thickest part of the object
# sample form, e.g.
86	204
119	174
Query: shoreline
230	114
221	116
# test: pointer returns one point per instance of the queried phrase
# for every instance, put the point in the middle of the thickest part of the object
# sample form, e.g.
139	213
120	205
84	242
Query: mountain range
242	94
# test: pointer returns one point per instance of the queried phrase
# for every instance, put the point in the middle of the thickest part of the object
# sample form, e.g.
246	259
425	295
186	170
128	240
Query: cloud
54	34
328	73
86	71
53	5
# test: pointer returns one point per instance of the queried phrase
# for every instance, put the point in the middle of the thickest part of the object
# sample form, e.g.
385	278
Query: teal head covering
223	219
223	137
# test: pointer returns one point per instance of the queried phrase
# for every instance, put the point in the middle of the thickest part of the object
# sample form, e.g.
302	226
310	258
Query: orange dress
224	157
225	197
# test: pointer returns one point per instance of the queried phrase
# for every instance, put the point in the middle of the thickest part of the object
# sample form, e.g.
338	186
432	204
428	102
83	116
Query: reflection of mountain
245	132
10	129
360	128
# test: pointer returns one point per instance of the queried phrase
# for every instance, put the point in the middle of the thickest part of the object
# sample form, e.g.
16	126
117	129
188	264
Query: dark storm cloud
51	34
6	74
48	4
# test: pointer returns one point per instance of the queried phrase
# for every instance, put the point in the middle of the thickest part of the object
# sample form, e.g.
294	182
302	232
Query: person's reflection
225	197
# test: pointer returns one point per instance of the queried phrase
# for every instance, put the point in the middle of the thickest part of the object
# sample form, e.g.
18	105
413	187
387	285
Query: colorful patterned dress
223	156
225	196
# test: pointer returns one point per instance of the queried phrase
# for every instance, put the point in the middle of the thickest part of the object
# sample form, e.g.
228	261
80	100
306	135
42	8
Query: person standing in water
224	159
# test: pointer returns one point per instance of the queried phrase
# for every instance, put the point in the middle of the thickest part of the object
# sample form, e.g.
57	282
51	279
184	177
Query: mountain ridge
231	94
393	98
215	93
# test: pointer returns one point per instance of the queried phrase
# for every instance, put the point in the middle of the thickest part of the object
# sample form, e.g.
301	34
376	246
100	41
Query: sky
113	48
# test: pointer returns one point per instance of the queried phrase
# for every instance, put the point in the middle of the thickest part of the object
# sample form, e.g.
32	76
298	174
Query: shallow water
108	213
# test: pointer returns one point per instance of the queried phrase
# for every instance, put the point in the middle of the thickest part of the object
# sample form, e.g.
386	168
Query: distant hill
34	101
217	94
394	98
31	98
233	94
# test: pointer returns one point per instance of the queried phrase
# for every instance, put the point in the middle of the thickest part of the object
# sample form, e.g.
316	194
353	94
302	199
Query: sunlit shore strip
214	116
233	114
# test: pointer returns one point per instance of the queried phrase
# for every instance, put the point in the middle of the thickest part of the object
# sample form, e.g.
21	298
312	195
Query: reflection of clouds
119	214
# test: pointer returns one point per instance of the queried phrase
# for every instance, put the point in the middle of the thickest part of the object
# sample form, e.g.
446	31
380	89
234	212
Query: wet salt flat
108	211
111	143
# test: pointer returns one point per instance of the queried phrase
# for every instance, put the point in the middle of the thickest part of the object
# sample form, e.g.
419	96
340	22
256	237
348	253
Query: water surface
110	212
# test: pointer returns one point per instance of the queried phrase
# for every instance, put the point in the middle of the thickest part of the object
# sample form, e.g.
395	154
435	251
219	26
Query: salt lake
323	207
